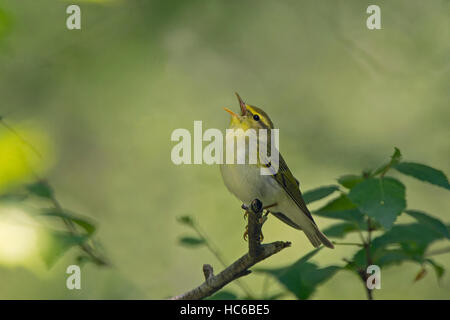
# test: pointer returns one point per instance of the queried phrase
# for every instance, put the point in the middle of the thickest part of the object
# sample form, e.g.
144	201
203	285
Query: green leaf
191	241
303	277
41	189
391	256
342	208
438	269
429	221
223	295
84	223
380	198
319	193
82	259
412	233
381	256
340	230
411	239
186	220
403	242
396	156
59	243
423	173
275	296
350	180
395	159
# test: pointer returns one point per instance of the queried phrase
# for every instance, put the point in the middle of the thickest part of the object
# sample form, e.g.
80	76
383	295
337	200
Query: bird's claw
246	211
263	219
261	236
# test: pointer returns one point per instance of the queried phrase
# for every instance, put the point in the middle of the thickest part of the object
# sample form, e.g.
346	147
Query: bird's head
251	117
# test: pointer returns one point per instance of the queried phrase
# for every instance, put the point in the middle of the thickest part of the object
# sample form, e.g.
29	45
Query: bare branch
240	267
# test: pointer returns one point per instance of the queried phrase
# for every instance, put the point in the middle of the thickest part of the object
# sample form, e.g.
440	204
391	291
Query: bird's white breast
246	182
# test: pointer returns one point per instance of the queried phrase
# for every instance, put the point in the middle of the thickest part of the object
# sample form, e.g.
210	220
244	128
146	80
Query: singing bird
280	191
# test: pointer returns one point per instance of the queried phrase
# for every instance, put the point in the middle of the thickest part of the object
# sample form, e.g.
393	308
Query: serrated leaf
319	193
303	277
339	230
84	223
191	241
342	208
350	180
411	242
380	198
57	243
429	221
423	173
41	189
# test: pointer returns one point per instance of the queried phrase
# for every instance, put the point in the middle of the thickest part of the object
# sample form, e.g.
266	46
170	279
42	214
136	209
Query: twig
216	252
240	267
368	258
88	249
25	142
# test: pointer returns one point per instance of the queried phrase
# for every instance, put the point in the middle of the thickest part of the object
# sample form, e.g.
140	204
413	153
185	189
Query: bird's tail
316	237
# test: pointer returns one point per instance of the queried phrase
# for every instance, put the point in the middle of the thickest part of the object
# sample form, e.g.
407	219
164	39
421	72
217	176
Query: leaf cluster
368	204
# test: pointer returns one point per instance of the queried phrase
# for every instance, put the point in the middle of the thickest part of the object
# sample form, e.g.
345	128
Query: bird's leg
263	219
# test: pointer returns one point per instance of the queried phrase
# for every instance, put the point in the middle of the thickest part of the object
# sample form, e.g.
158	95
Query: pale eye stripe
261	117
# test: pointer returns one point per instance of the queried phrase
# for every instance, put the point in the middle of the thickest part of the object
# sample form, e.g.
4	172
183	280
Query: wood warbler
280	191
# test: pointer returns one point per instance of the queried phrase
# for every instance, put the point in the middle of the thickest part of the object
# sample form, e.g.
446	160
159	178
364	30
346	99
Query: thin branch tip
256	253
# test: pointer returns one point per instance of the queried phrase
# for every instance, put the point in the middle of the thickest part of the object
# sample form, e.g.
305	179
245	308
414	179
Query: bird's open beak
231	112
242	105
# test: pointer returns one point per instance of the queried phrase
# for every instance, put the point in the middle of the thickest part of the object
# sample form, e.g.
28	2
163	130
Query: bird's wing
288	182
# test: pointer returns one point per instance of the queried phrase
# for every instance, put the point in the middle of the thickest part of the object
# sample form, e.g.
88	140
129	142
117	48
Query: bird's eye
256	117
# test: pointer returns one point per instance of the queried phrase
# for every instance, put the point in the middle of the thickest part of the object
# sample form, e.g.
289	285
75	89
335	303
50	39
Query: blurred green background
108	97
